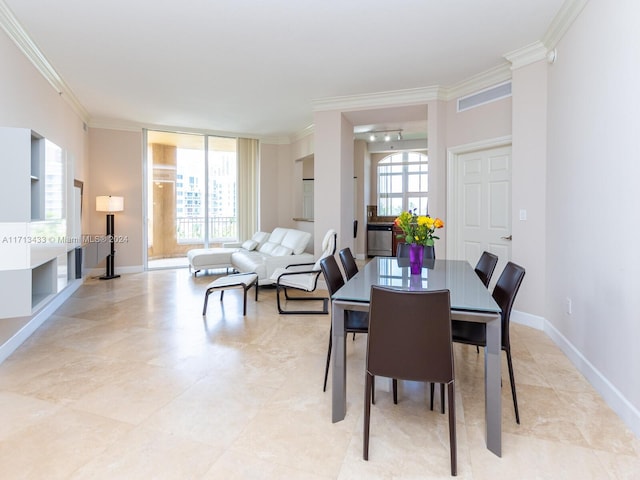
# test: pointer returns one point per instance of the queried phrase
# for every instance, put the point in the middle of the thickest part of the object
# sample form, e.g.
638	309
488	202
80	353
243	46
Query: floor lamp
110	205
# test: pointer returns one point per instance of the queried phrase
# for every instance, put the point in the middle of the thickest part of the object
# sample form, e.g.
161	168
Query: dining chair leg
431	395
513	385
373	390
431	390
453	443
395	391
367	414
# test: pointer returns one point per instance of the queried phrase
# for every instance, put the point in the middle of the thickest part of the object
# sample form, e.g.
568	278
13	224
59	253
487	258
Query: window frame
406	164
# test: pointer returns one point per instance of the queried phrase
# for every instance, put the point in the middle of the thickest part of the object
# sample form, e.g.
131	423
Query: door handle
510	237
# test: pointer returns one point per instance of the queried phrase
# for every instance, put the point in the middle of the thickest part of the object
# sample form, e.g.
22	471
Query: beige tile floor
128	381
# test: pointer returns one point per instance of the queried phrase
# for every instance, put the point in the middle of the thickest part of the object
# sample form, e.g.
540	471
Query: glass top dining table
470	301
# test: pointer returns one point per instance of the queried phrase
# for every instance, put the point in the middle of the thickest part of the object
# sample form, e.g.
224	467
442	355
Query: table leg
339	370
492	390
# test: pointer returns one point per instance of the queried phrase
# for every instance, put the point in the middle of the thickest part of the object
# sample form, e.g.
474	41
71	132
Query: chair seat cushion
303	281
234	280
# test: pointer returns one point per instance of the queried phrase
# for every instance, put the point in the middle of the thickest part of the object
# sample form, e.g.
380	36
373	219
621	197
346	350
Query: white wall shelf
35	259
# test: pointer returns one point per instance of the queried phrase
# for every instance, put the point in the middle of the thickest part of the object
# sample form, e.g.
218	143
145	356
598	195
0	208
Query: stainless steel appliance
379	239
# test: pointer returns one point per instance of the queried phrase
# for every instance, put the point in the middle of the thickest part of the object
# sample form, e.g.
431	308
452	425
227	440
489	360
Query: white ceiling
255	67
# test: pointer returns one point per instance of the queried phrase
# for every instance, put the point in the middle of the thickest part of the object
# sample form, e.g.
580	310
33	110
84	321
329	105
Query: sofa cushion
278	235
260	237
268	247
249	245
281	251
253	261
296	240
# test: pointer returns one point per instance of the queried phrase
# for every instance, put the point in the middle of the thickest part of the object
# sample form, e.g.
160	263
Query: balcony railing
191	229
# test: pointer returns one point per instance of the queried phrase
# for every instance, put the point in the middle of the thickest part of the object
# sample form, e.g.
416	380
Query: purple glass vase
415	258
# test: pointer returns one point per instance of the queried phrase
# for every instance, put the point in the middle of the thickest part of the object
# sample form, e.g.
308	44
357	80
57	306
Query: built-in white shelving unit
37	253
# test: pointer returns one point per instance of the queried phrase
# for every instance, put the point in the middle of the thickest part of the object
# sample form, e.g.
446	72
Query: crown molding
493	76
565	17
129	126
415	96
411	96
526	55
20	37
308	130
276	140
536	51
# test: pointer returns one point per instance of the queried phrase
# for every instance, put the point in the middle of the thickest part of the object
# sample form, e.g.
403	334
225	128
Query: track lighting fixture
386	135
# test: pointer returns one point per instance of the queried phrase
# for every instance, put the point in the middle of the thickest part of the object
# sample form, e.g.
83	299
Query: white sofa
282	247
262	254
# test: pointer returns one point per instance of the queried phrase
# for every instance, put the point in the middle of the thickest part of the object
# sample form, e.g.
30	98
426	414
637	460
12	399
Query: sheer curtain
247	187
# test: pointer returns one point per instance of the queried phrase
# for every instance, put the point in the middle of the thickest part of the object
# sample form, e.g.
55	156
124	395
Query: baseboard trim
611	395
527	319
98	272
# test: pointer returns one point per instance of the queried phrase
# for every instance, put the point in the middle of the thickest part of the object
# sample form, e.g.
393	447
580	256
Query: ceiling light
384	134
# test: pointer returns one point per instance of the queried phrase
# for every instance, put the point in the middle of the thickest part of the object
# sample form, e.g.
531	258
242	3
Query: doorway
479	201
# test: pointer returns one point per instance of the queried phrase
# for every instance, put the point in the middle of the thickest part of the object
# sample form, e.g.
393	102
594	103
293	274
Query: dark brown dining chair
485	267
410	339
354	322
402	251
348	262
471	333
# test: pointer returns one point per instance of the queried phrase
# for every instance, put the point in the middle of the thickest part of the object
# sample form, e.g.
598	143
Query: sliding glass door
191	195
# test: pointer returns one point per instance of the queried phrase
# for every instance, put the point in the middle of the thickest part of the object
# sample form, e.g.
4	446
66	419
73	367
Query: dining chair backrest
410	335
485	267
504	293
402	250
410	339
348	262
332	274
429	253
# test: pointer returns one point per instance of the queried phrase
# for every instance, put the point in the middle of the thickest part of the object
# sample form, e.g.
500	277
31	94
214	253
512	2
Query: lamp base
108	277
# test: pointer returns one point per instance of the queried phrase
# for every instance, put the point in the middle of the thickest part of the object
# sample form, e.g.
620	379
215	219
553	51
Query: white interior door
482	205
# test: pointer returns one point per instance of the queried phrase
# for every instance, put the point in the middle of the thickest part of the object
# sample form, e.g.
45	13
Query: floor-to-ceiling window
191	195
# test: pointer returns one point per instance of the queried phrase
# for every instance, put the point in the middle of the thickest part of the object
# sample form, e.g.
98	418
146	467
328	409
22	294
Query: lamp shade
108	203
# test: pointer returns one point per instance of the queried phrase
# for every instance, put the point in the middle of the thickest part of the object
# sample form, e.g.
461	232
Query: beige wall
529	182
361	170
593	201
27	100
116	169
481	123
334	153
268	215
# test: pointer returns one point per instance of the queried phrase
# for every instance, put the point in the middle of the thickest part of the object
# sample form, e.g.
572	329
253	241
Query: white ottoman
203	258
243	280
